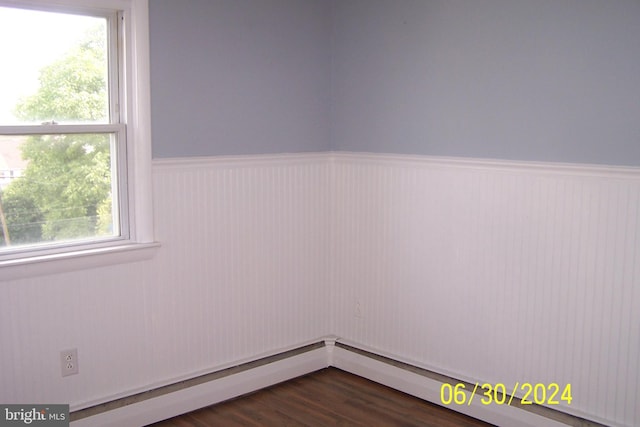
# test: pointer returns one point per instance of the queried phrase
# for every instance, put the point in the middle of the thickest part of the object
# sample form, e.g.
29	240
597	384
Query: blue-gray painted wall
239	76
542	80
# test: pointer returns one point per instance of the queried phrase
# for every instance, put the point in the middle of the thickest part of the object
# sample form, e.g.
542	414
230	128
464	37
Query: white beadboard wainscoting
490	271
241	273
497	272
245	259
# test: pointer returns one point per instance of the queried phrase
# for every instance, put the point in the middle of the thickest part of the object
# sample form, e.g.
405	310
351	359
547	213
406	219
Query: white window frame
135	91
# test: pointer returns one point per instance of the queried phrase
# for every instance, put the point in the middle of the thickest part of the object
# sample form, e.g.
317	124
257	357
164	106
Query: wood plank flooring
329	397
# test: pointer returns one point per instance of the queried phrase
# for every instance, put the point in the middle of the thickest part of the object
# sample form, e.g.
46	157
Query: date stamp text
500	394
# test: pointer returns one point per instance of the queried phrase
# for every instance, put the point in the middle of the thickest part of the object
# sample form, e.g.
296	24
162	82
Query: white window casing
134	109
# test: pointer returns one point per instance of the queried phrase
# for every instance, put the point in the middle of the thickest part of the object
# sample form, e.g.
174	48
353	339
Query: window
75	159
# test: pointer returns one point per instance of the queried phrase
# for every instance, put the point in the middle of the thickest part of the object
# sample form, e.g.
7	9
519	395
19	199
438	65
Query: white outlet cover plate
69	362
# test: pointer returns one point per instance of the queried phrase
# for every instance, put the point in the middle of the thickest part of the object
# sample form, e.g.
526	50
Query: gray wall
545	80
239	76
541	80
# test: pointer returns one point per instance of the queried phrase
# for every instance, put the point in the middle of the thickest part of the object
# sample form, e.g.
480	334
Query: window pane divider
61	129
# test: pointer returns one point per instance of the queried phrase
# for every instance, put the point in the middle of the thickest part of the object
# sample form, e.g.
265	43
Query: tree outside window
65	190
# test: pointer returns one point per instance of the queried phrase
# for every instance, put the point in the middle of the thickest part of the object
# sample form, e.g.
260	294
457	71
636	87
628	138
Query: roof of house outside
10	155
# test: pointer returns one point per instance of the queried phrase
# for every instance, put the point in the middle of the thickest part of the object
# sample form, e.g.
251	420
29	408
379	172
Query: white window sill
76	260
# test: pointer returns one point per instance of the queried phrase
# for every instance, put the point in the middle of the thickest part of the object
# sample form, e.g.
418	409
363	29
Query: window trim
140	243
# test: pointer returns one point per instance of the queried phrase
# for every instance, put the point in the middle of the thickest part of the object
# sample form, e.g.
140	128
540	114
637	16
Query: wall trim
578	169
388	159
184	396
251	160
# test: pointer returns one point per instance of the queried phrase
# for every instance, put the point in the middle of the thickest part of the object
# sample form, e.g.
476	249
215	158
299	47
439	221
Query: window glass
57	188
60	180
54	68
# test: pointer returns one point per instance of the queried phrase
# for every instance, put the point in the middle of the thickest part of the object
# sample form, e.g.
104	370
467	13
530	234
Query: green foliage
24	219
73	88
65	191
69	178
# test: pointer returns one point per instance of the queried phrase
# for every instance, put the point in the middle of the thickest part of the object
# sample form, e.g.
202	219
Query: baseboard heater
184	396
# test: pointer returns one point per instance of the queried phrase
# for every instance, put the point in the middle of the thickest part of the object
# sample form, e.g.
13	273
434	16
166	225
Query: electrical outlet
69	362
358	309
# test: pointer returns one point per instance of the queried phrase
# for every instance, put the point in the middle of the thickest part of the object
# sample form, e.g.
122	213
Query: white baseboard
189	399
429	389
330	355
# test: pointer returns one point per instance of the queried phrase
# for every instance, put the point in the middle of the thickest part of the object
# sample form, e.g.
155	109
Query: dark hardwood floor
329	397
